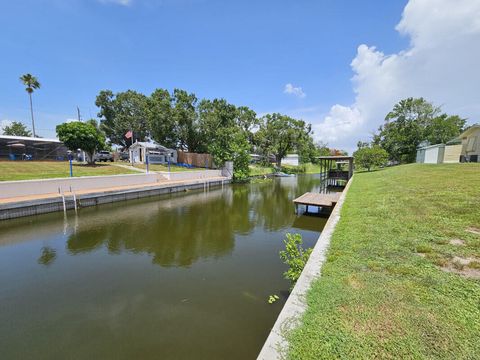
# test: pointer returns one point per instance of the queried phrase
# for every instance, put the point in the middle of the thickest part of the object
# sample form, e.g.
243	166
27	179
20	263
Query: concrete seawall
54	203
276	345
11	189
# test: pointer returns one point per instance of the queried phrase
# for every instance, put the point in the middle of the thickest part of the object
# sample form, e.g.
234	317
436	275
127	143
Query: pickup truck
104	156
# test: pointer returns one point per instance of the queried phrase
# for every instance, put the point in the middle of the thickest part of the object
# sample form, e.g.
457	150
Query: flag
128	135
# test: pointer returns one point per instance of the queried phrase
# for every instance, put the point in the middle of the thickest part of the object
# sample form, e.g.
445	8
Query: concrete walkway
129	167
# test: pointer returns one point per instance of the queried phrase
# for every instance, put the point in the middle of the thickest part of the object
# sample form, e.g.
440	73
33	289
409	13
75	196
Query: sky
340	65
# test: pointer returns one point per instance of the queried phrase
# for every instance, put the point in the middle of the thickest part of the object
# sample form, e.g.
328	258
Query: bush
295	256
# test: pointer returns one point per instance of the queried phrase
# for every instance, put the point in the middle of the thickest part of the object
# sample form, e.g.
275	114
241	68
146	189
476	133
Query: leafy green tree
121	113
220	123
444	128
31	84
16	128
278	134
79	135
186	121
412	121
161	119
368	157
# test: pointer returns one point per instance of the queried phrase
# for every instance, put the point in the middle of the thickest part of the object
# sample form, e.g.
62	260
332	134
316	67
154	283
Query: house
157	154
291	159
31	148
470	139
430	154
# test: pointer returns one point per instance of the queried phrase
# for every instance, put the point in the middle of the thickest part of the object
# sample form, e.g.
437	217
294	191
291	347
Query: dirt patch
467	267
473	230
421	254
457	242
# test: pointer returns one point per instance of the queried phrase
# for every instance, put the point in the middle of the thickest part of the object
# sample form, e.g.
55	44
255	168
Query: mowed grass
27	170
257	170
390	288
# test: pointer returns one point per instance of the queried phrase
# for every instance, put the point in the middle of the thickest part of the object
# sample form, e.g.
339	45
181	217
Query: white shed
157	154
290	159
471	144
431	154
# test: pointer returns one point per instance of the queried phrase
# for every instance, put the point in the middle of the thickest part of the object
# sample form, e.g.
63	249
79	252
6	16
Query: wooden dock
317	199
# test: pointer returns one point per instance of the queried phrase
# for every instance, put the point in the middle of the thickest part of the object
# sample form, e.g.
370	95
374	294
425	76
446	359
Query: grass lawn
402	276
257	170
308	168
160	167
26	170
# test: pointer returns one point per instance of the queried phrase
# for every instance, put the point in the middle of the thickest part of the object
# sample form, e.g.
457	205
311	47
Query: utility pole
78	114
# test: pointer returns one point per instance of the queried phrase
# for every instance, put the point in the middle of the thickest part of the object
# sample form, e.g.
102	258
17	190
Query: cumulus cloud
441	64
294	90
118	2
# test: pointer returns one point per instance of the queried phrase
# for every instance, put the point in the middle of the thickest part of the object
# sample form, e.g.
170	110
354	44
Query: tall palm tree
31	83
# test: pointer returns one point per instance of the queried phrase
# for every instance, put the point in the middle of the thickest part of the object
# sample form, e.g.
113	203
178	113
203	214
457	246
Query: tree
186	121
161	121
16	129
278	134
79	135
370	156
121	113
31	83
220	123
412	121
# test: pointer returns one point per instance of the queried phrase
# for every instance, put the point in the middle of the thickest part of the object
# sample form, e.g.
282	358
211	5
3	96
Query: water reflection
150	276
48	256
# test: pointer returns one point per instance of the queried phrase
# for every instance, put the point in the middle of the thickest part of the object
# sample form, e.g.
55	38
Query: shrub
295	256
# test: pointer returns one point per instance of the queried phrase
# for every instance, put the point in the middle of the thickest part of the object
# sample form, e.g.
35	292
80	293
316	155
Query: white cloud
294	90
118	2
441	64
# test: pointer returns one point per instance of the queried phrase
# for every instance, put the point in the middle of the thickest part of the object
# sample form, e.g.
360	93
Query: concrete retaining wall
41	206
9	189
276	345
190	175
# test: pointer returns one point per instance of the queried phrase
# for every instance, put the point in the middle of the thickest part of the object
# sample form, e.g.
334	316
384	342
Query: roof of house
150	145
469	131
430	146
28	138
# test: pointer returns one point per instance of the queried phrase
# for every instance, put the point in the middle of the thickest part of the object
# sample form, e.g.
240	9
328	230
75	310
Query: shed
291	159
157	154
431	154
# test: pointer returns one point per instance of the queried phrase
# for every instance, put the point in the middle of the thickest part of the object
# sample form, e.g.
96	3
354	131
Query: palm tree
31	83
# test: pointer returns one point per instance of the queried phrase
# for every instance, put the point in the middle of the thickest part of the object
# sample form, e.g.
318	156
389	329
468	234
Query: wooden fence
197	160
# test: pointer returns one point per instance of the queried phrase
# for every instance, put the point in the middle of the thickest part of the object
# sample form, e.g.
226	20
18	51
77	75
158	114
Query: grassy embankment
402	277
257	170
26	170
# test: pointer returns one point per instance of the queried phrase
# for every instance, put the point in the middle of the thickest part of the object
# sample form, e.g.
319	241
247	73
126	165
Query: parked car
104	156
124	156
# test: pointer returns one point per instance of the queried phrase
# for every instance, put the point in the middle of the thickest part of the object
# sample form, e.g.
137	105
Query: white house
157	154
290	159
471	144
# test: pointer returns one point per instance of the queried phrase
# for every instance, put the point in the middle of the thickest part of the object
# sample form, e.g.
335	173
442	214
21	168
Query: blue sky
244	51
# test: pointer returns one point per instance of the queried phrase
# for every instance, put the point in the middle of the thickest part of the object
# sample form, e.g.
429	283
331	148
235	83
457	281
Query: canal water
185	276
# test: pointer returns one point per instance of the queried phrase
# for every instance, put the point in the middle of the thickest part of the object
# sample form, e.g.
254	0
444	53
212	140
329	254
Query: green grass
308	168
26	170
383	292
160	167
257	170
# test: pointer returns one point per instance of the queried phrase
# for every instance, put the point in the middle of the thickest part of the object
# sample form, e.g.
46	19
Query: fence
197	160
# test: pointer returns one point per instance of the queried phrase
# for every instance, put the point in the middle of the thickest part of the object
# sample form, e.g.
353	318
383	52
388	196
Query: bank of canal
176	277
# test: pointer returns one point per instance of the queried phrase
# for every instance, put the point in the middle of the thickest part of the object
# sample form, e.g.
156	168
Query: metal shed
431	154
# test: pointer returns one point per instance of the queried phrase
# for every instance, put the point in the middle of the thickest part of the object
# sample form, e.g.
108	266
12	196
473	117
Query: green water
185	276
